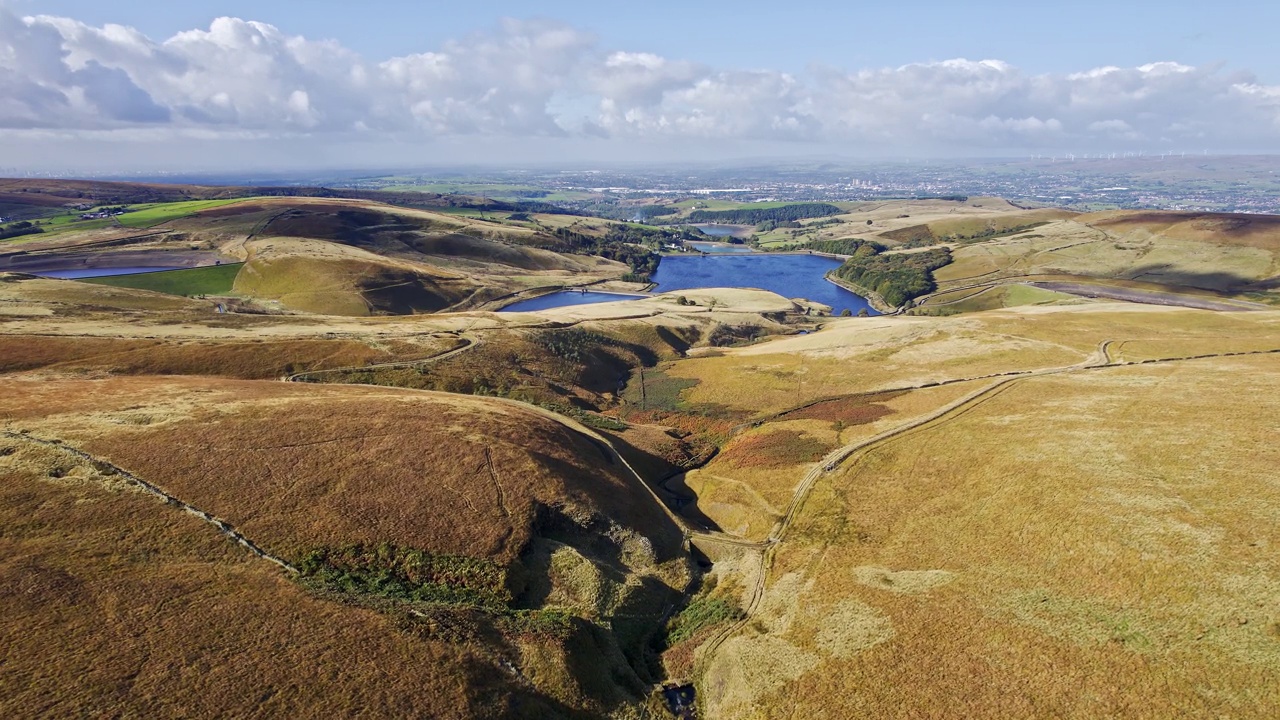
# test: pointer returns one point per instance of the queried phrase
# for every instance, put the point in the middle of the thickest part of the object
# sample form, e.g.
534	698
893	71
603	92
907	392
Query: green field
212	280
147	215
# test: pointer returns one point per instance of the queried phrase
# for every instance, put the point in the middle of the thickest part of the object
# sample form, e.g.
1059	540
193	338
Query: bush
701	613
407	574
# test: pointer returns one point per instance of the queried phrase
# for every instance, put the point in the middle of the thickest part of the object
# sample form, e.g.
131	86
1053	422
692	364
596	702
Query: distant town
1245	184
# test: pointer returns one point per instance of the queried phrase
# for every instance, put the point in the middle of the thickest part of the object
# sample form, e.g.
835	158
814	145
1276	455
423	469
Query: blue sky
292	82
1037	37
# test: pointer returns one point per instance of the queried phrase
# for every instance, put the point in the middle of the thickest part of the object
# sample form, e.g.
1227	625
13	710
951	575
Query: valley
337	463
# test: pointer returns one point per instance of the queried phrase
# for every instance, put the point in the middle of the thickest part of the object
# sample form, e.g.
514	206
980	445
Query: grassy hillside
532	489
212	280
945	540
150	214
1200	255
929	558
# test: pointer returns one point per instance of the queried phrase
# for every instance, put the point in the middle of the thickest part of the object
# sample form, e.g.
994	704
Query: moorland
317	470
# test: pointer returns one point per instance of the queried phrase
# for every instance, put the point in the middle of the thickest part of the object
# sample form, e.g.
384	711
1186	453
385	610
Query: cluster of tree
991	231
755	216
19	229
843	246
626	244
528	206
896	278
771	225
614	210
952	198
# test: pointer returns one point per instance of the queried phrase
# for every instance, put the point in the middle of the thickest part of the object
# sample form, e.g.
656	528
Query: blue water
100	272
791	276
718	230
719	247
565	298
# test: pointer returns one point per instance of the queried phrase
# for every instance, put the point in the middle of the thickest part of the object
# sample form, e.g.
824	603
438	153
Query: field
212	280
149	215
294	468
112	598
1029	560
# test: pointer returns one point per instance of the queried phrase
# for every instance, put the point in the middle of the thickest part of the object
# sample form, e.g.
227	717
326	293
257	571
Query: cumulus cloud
523	78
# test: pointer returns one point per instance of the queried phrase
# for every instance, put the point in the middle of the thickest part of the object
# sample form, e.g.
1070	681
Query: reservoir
791	276
565	298
99	272
719	247
716	230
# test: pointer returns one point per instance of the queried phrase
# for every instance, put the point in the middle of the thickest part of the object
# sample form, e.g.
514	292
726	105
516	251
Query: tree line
755	216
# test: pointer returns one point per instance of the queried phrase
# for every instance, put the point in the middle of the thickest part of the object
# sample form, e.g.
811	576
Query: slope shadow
669	487
1225	283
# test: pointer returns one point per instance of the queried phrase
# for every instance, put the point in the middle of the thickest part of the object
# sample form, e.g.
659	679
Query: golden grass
1168	249
299	466
113	600
865	355
1080	545
993	298
246	359
746	488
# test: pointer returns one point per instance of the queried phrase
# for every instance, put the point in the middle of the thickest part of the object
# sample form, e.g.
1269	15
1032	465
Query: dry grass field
1202	255
113	600
296	467
1085	545
1079	544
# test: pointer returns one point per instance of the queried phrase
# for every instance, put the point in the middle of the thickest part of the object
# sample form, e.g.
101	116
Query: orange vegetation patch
112	599
774	449
242	359
854	410
298	466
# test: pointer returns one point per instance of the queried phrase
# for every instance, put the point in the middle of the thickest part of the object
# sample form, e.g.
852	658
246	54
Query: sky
286	84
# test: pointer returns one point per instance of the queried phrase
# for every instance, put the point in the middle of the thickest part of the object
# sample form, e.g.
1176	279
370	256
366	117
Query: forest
896	278
755	216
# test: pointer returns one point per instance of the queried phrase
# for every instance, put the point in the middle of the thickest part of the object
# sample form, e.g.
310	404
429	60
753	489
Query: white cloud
539	78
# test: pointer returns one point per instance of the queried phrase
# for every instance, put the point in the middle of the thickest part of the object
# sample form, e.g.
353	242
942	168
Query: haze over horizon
219	86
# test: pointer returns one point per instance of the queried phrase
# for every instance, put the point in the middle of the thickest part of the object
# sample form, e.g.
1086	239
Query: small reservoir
719	247
79	273
565	298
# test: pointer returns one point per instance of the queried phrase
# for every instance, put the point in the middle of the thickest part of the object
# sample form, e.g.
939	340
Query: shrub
701	613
